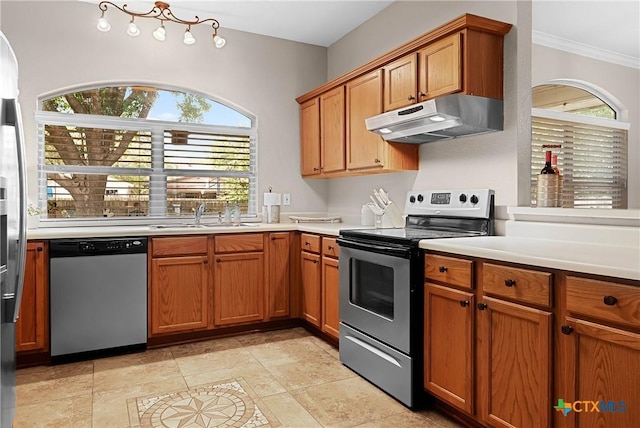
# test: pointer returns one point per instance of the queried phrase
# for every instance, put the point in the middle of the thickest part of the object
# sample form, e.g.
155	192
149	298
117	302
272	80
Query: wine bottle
548	169
554	164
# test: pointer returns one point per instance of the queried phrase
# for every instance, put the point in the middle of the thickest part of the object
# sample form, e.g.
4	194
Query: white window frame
157	173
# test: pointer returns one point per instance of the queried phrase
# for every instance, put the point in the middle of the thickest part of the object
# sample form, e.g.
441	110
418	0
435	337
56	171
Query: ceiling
608	25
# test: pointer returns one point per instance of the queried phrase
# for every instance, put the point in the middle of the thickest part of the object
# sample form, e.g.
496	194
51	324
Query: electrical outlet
286	199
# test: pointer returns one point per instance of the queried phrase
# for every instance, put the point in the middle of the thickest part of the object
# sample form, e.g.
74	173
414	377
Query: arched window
133	150
580	124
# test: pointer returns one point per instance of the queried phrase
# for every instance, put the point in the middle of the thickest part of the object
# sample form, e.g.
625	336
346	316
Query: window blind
592	158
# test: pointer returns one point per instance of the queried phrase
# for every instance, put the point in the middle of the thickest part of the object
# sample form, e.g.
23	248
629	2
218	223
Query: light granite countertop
143	230
592	258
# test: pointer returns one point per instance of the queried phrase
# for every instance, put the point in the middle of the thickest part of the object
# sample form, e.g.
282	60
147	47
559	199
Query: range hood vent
450	116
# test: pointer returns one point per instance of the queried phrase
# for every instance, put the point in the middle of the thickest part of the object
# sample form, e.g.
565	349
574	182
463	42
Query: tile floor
285	378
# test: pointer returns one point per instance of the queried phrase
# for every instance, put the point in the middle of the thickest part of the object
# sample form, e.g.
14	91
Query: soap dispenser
236	214
227	213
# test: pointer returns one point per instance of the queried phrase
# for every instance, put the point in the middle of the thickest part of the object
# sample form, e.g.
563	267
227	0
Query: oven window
372	288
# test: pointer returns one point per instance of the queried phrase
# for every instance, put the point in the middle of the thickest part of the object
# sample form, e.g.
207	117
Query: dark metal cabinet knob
316	169
218	260
464	303
205	261
422	94
442	269
566	329
315	261
482	306
411	98
509	282
610	300
376	160
330	247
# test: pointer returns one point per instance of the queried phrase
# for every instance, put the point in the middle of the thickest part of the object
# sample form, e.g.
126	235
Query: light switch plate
286	199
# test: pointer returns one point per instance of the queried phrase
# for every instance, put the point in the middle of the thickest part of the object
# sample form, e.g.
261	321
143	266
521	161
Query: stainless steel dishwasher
98	294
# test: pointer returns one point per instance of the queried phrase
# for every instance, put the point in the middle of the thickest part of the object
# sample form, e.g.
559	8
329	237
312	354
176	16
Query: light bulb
133	29
103	24
160	33
219	41
188	38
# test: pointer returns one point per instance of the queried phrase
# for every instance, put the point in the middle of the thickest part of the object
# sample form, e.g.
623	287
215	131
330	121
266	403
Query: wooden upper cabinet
400	82
32	328
332	131
440	68
364	99
310	137
464	55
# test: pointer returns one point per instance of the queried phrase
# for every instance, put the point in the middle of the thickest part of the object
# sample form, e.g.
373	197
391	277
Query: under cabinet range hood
449	116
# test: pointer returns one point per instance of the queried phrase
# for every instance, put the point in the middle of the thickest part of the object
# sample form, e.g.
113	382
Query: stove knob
463	198
474	199
412	199
420	198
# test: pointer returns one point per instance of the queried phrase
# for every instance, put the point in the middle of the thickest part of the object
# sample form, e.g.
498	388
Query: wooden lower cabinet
449	330
514	364
239	288
603	365
330	296
179	294
279	267
311	288
32	328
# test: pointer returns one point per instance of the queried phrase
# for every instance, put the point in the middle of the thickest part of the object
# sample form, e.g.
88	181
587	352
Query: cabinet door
332	138
514	365
310	137
279	269
179	298
602	365
311	288
440	69
32	328
330	293
448	345
239	288
400	82
364	99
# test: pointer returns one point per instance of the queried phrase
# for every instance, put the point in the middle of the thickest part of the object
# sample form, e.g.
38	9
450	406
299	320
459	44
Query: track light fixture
162	12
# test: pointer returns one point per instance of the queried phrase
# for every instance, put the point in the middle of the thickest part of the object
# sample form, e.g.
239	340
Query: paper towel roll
272	199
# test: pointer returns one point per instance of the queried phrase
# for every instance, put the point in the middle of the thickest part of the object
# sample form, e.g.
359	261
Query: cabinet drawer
604	300
448	269
309	242
179	246
329	247
239	243
527	286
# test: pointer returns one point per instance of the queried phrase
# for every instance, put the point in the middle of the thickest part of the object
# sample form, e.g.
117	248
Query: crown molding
555	42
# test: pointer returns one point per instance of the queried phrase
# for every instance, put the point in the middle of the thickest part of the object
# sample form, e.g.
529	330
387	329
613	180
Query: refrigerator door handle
12	111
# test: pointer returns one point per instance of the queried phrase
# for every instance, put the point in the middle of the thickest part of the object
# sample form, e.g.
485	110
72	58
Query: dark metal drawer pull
442	269
464	303
482	306
566	329
509	282
610	300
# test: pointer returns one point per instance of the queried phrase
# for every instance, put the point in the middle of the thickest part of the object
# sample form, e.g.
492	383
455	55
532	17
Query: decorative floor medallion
221	405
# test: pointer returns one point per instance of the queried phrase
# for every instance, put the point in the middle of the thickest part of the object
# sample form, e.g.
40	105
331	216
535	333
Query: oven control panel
460	202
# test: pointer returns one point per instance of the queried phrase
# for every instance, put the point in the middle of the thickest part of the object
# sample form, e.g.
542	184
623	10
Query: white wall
485	161
620	81
58	46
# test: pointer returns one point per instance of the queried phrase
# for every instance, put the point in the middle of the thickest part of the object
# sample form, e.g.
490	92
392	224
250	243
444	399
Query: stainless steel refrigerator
13	240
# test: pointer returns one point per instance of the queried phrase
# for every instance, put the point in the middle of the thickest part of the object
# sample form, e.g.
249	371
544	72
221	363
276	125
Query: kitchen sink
199	226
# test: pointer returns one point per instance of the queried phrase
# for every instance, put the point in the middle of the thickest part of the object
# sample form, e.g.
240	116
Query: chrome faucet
201	209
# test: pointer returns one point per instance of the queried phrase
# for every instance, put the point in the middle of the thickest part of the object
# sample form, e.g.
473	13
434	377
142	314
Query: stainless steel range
381	286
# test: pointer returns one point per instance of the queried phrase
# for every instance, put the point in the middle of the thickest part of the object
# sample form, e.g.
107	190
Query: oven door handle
403	252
